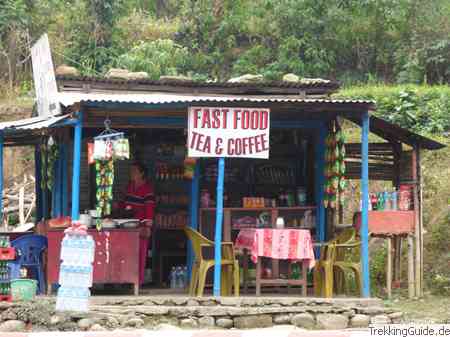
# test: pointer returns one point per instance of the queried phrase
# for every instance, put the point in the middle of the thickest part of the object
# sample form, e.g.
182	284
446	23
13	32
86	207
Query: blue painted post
1	175
319	182
193	212
76	167
37	165
365	205
218	230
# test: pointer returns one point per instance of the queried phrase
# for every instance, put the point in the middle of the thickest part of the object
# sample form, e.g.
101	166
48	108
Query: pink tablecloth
283	244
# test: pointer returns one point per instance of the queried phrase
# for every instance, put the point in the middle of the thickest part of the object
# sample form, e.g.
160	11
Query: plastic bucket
23	289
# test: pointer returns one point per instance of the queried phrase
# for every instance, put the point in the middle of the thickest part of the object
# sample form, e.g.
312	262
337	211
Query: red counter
116	256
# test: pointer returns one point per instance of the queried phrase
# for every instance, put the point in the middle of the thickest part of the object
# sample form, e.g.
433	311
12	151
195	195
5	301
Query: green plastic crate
23	289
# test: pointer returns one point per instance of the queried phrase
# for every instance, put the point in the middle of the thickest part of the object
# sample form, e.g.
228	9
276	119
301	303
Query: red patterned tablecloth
283	244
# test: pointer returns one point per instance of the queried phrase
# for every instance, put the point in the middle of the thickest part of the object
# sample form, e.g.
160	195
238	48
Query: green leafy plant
160	57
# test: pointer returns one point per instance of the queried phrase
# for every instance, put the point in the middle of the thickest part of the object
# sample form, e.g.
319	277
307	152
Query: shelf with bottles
392	200
171	220
171	201
7	253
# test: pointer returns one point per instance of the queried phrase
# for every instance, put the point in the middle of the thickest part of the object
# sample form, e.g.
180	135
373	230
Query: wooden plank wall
381	161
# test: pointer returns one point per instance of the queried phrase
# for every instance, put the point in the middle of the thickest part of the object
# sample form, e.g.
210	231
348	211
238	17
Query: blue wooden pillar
364	231
320	182
38	188
218	229
78	134
1	175
193	212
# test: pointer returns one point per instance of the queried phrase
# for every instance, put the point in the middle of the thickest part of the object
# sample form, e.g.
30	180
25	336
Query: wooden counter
116	256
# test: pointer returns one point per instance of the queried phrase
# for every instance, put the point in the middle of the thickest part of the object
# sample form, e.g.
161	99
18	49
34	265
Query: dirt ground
430	309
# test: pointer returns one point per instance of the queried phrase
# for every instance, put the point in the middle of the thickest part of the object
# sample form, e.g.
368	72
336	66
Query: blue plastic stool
29	249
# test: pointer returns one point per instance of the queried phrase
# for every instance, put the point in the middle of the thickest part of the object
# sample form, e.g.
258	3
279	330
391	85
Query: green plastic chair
229	263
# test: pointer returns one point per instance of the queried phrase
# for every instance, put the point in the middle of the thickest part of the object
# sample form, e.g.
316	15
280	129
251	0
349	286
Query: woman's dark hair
141	167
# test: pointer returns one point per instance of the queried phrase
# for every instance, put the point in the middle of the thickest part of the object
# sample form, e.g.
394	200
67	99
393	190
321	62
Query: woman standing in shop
140	200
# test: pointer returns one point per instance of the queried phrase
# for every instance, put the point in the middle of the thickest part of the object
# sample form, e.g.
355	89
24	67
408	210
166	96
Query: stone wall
188	313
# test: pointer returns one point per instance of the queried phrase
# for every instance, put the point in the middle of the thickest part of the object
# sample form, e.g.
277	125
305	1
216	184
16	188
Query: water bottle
387	200
185	279
173	281
394	199
179	277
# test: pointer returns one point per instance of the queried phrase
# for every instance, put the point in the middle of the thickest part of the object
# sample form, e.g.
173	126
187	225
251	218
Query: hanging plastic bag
91	159
99	149
121	149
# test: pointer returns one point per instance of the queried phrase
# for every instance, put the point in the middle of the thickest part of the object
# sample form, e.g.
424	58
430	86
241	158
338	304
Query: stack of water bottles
75	275
179	277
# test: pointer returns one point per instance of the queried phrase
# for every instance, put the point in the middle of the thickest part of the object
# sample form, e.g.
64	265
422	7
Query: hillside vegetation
395	41
396	52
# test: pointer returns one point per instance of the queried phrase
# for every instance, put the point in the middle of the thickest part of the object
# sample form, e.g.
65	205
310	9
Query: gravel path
279	331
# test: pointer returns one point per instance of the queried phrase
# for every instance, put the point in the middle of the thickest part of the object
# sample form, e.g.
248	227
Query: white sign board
228	132
44	78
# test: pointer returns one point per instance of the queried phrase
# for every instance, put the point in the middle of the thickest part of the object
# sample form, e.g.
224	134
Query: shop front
137	162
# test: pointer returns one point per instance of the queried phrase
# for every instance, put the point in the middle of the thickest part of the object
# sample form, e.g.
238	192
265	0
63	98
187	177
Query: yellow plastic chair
346	236
325	275
323	271
348	260
229	263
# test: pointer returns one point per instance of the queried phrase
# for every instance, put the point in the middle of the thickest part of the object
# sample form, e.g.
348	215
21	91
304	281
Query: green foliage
423	109
160	57
12	13
378	269
354	41
438	272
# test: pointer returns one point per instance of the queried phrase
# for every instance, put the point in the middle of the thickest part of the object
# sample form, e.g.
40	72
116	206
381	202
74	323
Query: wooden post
275	263
37	186
397	243
193	212
319	181
417	230
389	267
411	288
218	228
364	230
78	135
397	257
419	173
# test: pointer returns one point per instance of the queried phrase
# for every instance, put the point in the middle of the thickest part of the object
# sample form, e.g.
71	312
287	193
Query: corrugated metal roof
34	123
70	98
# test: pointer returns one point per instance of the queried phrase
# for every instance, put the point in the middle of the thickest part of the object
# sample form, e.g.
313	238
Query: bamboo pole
411	285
